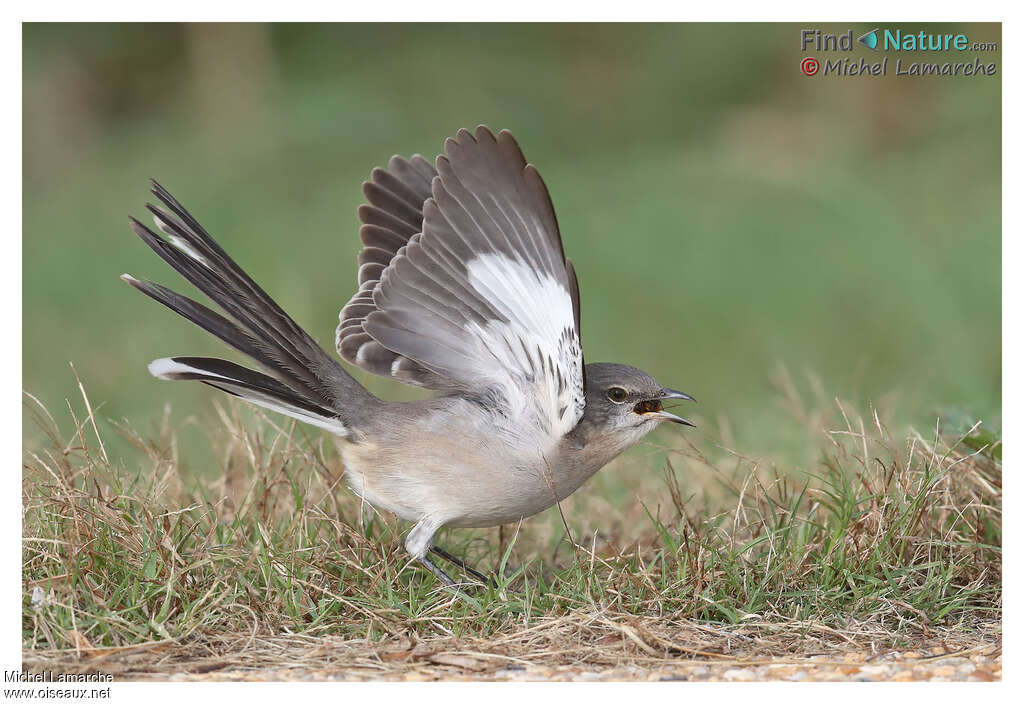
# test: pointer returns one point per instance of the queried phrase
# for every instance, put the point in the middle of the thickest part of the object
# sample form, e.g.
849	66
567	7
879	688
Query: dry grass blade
270	563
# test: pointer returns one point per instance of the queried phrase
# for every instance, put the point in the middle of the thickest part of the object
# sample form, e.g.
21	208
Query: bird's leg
437	572
444	554
419	542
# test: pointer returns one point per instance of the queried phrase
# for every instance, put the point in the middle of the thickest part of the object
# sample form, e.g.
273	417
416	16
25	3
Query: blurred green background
727	215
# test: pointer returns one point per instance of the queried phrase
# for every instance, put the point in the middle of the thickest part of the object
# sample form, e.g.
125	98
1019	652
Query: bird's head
626	402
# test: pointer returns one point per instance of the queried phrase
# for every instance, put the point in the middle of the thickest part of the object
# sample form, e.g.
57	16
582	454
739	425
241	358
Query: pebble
743	675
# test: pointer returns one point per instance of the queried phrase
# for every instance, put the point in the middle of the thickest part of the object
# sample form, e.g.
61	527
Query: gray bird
464	288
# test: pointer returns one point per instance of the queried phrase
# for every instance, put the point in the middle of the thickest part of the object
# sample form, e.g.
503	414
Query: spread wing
481	299
393	214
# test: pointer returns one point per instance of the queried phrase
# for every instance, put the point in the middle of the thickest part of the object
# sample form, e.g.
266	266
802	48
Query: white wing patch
538	347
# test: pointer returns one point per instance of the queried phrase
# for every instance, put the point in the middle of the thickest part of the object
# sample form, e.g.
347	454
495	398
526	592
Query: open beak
672	418
669	394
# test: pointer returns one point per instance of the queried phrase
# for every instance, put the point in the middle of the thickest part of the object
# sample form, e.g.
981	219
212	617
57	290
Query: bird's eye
617	394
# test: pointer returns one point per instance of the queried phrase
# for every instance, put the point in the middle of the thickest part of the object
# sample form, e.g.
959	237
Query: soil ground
565	649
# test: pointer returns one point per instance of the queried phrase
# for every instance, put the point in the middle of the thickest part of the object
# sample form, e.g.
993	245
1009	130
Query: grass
888	540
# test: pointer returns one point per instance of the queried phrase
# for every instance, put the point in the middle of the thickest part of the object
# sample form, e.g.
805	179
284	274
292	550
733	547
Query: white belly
477	485
455	465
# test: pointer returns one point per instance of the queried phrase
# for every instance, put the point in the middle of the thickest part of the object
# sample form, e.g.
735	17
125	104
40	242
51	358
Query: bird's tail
305	383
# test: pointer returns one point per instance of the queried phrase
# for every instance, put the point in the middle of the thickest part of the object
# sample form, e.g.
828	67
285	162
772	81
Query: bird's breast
465	471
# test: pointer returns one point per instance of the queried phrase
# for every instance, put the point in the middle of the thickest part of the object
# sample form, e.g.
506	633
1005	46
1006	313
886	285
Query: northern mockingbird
464	288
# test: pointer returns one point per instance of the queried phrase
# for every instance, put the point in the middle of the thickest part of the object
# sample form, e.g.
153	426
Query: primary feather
392	215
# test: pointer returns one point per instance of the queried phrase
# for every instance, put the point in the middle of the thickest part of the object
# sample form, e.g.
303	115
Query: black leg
437	572
460	563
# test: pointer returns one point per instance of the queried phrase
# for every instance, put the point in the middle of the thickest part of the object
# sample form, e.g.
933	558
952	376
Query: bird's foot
458	562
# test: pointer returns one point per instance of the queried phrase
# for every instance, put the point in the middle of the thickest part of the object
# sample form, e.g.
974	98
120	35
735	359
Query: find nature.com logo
892	40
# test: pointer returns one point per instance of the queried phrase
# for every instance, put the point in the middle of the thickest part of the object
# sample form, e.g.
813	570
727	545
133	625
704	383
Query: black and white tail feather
304	382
